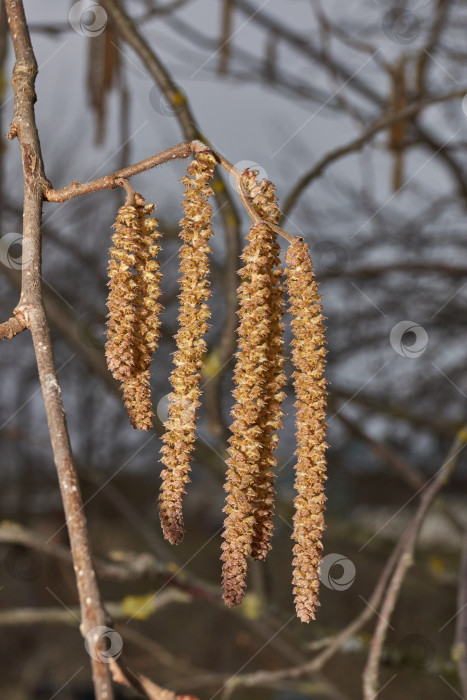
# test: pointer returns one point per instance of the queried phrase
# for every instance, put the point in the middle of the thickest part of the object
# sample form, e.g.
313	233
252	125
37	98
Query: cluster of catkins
133	331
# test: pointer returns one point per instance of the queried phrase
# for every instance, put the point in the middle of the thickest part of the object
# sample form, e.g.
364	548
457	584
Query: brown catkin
193	318
134	284
270	418
147	277
310	387
263	198
262	195
246	443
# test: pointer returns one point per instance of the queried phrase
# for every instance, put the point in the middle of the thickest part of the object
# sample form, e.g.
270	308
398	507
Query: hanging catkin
270	418
133	320
246	442
193	318
132	335
137	390
310	387
263	198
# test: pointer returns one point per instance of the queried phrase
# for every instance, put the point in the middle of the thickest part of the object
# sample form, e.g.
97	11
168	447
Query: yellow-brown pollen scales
132	336
264	200
133	319
246	442
310	388
194	315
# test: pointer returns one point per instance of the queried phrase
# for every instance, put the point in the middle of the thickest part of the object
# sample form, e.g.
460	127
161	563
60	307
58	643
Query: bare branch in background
408	541
459	651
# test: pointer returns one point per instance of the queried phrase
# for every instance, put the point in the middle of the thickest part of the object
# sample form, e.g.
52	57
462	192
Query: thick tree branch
31	306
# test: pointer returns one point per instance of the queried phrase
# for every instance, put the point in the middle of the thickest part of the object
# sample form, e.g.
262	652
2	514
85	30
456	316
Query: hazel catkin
133	319
264	200
246	443
193	319
310	388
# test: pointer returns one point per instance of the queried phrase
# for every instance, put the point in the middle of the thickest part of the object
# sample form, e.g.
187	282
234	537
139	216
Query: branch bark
14	325
31	308
108	182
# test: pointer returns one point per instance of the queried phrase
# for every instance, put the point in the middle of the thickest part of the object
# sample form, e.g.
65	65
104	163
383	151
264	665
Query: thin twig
258	678
128	567
225	38
389	583
409	538
460	646
237	175
16	324
119	610
109	182
409	475
360	141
